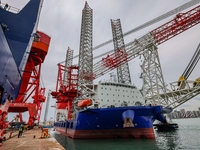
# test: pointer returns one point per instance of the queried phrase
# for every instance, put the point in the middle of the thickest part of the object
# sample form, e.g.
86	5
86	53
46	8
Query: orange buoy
85	102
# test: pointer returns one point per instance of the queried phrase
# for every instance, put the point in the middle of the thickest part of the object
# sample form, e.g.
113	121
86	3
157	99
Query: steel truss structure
85	72
68	63
153	81
123	72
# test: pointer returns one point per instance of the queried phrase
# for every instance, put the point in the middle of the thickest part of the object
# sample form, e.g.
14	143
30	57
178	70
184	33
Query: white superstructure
111	94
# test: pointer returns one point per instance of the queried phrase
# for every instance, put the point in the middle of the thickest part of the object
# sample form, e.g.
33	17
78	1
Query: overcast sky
61	19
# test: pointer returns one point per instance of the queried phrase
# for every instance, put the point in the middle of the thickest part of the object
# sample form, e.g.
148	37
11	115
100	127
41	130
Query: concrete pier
30	140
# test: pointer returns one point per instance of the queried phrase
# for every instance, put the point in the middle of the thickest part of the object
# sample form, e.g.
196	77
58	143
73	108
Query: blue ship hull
15	34
10	77
110	122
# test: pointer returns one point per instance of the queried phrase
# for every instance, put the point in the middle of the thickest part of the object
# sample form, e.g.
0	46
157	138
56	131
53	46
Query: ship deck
28	142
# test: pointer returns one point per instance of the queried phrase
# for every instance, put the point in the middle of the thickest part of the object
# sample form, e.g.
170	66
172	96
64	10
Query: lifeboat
84	103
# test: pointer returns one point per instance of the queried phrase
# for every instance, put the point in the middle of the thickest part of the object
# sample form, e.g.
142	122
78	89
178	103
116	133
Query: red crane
65	94
30	85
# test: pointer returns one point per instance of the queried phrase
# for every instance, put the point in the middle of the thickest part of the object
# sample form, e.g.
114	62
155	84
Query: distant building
189	114
179	114
183	115
198	113
174	115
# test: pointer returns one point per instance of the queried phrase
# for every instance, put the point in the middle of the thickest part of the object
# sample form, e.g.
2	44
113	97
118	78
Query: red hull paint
61	130
124	133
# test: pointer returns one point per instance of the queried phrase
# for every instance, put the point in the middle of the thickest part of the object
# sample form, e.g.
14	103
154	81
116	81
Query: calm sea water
187	137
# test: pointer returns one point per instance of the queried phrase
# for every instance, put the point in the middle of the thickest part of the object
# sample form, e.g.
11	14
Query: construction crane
149	42
30	85
66	85
151	22
179	24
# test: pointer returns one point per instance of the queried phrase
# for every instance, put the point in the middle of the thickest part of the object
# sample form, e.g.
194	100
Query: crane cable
151	22
192	63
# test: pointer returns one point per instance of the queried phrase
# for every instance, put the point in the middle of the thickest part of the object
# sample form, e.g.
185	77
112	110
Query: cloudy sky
61	19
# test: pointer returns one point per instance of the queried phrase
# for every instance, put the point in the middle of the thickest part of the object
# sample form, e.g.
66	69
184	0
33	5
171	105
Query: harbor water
187	137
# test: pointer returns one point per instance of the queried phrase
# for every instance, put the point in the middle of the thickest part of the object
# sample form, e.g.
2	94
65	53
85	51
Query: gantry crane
145	45
31	85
